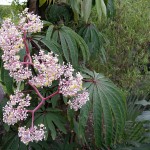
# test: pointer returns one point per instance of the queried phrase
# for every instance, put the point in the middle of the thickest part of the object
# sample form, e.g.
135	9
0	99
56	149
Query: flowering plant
39	71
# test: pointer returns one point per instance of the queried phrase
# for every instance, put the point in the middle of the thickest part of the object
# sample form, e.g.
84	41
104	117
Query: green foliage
4	12
134	131
95	41
114	121
59	12
71	43
108	107
127	51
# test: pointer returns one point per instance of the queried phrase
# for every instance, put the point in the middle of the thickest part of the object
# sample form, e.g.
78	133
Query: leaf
12	142
110	8
87	7
53	46
95	41
35	146
80	42
51	127
73	50
55	118
49	33
101	8
41	2
64	46
109	111
84	113
8	81
98	8
71	44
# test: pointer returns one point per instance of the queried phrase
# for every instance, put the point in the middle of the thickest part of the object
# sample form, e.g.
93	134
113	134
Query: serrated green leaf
64	46
58	122
84	114
73	50
49	33
51	126
109	111
36	146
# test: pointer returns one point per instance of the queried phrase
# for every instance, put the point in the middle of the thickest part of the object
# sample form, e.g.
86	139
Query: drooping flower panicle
33	134
15	109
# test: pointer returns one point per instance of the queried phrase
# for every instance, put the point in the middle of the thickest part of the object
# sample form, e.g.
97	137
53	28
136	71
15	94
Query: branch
36	90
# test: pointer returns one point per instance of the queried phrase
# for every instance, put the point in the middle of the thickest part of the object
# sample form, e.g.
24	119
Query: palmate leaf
70	42
95	41
108	107
11	141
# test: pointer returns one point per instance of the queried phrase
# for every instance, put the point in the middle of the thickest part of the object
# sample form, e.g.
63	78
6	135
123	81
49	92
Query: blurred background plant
129	47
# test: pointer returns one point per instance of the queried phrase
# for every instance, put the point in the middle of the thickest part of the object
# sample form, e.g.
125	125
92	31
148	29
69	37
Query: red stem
27	63
25	43
36	90
91	80
50	96
32	125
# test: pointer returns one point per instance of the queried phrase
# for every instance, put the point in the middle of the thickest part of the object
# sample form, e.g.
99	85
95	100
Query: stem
50	96
27	63
36	90
32	120
30	59
92	80
25	57
25	43
38	106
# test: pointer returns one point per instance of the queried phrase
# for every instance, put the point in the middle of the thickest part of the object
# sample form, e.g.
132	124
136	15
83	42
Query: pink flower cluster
48	69
11	42
15	109
33	134
79	100
30	22
70	85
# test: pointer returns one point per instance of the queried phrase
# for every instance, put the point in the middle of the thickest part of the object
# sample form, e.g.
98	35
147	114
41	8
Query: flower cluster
79	100
11	42
33	134
48	69
15	110
70	85
30	22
